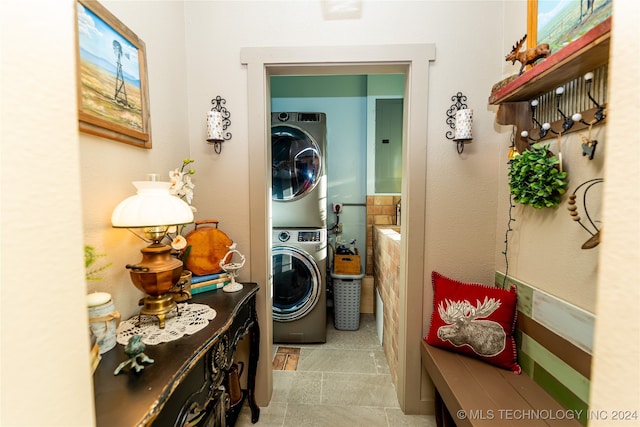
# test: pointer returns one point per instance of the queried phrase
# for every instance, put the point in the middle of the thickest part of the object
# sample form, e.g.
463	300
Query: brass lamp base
158	306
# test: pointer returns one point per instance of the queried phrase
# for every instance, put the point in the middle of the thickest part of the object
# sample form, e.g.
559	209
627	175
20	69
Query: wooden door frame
411	60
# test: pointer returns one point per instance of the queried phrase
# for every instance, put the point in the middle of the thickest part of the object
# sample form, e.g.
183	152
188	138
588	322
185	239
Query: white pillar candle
98	298
214	126
464	125
103	320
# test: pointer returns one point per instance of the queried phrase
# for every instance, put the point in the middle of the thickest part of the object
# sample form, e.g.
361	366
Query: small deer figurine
527	56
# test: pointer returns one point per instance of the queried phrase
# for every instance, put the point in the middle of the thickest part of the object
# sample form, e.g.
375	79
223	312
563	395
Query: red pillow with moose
474	319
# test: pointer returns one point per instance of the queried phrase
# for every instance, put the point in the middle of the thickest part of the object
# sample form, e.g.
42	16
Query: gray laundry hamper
346	301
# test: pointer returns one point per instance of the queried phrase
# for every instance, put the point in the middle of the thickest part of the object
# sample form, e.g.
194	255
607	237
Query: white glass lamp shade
153	206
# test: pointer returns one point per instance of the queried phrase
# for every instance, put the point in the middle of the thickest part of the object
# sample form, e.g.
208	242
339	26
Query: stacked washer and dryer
299	221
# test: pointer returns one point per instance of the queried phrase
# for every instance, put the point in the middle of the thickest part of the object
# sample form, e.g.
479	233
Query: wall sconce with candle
460	120
217	123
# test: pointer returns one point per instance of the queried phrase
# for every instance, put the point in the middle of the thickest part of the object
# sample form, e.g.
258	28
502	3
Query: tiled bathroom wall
381	210
387	283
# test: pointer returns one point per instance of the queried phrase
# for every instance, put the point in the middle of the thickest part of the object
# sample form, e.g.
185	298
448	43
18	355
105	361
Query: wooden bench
470	392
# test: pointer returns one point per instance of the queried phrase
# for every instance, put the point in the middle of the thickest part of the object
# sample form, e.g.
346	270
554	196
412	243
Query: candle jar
215	126
103	320
464	124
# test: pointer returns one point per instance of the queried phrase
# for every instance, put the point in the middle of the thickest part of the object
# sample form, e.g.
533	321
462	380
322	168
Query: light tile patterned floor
342	383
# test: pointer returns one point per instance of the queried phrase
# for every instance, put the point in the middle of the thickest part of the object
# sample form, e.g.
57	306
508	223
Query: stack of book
208	282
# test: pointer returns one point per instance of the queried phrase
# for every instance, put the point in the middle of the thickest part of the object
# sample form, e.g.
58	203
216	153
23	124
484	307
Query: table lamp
154	209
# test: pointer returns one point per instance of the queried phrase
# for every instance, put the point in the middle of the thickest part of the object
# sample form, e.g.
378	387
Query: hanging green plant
535	178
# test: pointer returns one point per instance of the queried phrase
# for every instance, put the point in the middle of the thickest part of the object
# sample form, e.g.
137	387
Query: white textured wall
461	199
59	189
616	370
194	56
544	246
44	368
108	167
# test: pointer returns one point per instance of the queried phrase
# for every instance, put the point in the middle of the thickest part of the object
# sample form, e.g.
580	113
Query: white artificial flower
187	188
175	175
181	184
179	242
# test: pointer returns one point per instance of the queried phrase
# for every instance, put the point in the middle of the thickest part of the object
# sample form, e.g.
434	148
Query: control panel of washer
300	236
309	236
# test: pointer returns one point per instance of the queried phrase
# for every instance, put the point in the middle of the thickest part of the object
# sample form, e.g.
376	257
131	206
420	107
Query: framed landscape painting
113	97
559	22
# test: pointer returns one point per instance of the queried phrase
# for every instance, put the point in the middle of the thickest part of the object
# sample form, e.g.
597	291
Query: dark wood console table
185	382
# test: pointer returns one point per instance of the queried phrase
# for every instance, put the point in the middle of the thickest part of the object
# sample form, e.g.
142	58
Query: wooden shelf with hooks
574	60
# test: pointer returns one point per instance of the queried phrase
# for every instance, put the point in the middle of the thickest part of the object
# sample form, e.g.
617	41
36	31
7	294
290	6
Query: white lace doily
192	318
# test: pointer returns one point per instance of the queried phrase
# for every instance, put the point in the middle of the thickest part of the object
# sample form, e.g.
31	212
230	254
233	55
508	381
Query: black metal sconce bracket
459	104
218	105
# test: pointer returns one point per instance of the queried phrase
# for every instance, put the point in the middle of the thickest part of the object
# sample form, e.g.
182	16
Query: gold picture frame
113	93
560	22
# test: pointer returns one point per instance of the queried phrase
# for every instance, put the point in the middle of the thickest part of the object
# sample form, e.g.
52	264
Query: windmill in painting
120	95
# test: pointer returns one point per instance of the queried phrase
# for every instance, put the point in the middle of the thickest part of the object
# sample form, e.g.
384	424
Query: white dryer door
296	283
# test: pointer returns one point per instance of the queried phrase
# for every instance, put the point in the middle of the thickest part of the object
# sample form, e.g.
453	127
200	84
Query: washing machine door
296	283
296	163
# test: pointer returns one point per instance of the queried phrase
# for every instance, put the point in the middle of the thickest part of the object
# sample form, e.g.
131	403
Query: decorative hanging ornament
591	227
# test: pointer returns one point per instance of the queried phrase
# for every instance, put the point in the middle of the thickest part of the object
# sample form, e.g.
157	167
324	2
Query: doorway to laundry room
362	157
414	62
